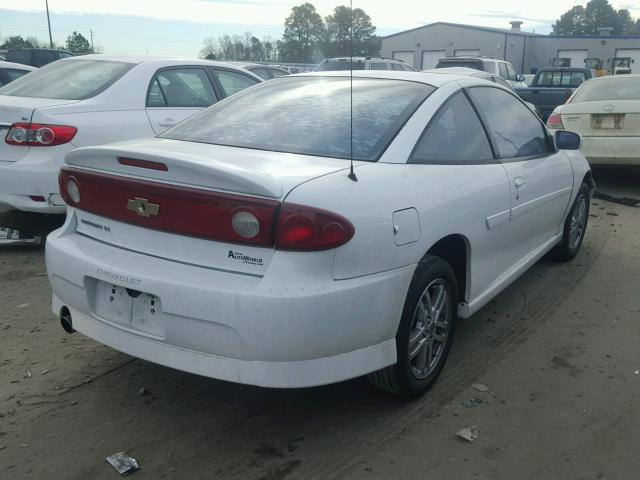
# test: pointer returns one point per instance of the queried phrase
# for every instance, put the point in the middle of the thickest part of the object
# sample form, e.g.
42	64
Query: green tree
77	43
303	31
581	20
16	42
339	26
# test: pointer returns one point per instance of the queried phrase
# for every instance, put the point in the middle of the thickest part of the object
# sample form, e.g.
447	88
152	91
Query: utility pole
49	23
91	32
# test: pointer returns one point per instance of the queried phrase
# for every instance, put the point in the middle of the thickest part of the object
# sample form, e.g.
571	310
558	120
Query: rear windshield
309	116
467	63
68	79
609	89
331	65
560	79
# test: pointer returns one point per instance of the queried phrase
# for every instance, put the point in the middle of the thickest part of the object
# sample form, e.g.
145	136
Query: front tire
425	333
574	226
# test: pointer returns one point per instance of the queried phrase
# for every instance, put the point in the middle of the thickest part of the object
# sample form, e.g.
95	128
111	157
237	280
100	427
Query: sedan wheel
575	226
425	332
430	329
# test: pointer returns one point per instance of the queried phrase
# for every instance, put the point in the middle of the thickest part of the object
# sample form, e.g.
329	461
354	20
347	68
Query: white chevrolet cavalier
240	246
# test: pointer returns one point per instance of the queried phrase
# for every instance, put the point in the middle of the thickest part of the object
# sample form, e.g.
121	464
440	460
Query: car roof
17	66
609	77
148	59
364	59
467	72
433	79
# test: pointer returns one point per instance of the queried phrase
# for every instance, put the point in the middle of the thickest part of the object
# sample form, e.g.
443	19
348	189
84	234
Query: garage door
577	57
430	58
406	57
471	53
634	53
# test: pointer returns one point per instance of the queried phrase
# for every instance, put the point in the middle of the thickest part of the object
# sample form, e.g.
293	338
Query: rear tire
425	333
575	226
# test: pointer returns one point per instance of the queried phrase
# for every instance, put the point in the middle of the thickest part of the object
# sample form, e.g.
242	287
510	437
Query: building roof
470	27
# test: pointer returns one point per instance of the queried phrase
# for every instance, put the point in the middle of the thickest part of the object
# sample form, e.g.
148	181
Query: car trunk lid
19	109
175	200
603	118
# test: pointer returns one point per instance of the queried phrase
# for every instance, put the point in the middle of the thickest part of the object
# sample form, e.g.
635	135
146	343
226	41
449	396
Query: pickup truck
553	86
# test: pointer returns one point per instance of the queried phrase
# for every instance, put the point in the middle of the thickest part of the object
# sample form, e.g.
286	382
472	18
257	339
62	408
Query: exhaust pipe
65	320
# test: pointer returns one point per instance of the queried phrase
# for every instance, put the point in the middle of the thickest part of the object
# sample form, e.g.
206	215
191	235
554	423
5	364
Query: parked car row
91	100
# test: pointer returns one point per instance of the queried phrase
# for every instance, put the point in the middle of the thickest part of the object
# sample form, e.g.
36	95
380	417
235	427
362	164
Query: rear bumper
281	332
611	150
34	175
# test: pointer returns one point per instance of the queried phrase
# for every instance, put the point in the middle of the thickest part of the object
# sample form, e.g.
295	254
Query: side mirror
567	140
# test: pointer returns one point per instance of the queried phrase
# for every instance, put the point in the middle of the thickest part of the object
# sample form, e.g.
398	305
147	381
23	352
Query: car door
541	177
176	93
456	143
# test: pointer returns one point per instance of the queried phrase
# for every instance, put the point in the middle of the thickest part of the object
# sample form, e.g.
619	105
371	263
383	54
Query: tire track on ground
460	374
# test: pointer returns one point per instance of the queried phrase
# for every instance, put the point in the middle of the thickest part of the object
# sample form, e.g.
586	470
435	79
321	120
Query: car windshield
345	64
68	79
461	62
309	116
609	89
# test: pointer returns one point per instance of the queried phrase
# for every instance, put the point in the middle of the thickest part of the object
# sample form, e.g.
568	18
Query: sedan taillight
555	122
39	135
305	228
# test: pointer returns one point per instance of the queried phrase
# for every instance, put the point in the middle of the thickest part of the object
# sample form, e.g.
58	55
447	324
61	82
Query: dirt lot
558	352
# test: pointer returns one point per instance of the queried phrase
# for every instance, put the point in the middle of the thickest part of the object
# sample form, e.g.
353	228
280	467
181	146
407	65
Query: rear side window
467	63
516	131
309	116
396	66
181	87
263	73
233	82
454	135
408	68
68	79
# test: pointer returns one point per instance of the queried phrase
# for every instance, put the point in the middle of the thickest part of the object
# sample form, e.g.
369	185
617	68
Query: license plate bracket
607	121
130	308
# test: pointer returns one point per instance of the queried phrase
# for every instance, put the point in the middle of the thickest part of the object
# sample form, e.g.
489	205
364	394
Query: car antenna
352	174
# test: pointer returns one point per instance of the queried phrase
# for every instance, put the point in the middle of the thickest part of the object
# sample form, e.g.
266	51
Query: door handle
168	122
519	182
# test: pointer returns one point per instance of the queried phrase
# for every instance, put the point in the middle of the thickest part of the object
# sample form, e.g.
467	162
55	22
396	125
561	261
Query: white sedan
91	100
606	112
244	245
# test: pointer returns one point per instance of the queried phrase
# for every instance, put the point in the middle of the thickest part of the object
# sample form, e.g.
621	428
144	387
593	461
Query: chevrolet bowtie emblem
142	207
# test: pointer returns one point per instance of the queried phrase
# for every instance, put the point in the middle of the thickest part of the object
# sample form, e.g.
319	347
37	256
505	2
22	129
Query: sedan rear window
332	65
68	79
309	116
609	89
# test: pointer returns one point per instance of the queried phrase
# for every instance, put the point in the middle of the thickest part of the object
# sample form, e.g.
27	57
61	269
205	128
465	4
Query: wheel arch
455	249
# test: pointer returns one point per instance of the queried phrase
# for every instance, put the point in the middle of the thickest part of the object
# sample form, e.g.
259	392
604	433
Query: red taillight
555	121
306	229
202	213
172	208
39	135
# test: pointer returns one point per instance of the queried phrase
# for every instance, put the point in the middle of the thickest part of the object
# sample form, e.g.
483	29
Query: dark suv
36	57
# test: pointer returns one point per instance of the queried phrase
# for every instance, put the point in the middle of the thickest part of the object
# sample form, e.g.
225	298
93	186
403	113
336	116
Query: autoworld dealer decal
245	258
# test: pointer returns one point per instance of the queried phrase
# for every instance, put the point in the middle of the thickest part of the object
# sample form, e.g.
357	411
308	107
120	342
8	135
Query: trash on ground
8	236
143	391
481	387
44	372
123	463
27	373
470	434
472	402
637	372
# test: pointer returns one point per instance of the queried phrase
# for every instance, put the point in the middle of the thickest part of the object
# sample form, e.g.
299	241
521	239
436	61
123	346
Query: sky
177	28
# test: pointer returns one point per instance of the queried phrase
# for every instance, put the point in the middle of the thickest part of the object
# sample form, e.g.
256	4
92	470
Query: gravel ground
557	351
